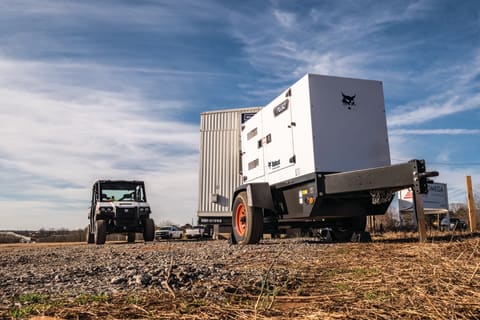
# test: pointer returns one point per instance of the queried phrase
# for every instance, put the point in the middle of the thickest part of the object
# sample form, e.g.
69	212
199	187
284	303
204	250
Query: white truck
196	232
169	232
316	156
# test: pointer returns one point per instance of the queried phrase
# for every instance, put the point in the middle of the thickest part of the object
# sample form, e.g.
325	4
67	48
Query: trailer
316	156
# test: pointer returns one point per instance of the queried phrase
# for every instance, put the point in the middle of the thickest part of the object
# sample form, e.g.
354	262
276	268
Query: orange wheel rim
241	219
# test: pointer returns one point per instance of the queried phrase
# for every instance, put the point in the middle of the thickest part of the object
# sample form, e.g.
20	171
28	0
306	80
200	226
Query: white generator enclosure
320	124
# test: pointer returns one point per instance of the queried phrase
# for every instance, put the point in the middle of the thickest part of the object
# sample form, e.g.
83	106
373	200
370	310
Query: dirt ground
393	277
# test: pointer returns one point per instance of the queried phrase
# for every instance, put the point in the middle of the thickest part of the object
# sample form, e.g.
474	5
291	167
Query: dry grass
390	278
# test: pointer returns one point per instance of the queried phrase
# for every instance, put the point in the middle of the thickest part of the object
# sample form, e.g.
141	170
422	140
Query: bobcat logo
349	101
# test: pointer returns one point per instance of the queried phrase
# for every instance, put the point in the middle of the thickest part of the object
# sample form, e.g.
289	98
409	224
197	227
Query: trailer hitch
428	174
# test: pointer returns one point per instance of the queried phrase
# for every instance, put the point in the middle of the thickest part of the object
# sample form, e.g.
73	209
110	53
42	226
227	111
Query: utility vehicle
119	206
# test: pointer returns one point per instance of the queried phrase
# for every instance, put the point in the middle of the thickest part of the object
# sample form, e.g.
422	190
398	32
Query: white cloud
184	15
341	39
456	178
33	215
435	132
456	91
56	143
404	147
286	19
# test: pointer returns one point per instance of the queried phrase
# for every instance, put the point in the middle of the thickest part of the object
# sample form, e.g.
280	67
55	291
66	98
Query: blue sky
114	89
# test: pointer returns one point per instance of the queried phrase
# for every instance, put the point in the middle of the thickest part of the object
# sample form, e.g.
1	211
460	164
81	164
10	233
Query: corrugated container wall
219	169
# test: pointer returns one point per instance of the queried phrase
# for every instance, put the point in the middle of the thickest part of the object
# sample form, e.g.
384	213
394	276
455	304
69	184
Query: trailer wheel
344	228
247	222
131	237
100	232
89	235
149	231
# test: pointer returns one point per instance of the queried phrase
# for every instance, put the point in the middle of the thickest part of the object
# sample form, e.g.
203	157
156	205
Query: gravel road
70	270
284	279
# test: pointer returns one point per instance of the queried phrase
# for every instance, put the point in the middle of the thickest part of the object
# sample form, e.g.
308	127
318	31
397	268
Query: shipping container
220	165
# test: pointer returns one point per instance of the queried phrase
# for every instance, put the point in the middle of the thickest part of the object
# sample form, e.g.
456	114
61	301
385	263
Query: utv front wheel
100	232
247	222
131	237
89	235
149	231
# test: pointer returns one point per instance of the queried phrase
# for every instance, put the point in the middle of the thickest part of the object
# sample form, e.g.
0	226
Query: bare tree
459	210
167	222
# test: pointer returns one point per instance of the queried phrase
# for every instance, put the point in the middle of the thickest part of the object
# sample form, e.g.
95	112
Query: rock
118	280
142	279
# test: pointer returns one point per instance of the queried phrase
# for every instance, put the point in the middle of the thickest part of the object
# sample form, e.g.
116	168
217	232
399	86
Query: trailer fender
259	195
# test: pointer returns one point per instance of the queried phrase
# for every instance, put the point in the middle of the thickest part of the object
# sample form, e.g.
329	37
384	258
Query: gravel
287	278
71	270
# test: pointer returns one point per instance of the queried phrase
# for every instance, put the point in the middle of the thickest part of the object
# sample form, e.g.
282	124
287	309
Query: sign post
420	214
471	206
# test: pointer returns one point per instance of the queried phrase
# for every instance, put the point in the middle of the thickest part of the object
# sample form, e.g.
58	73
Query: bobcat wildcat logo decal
348	101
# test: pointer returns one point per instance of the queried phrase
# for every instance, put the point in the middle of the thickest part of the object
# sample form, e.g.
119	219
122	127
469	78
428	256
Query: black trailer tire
90	237
342	233
100	232
345	227
149	231
247	222
131	237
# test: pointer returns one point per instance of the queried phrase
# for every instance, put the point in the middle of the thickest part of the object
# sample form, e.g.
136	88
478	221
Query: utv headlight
145	209
106	209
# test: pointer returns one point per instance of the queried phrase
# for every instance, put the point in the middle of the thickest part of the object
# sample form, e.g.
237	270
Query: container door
252	151
278	139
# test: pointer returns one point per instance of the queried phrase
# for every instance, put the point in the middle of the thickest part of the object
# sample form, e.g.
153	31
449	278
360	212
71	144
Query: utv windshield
122	192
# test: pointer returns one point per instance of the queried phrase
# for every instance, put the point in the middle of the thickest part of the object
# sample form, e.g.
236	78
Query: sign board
215	220
436	200
246	116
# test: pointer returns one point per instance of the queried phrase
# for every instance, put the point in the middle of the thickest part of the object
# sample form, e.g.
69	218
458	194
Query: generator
317	156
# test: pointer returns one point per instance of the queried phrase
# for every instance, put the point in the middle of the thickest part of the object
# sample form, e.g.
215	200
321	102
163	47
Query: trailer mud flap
260	196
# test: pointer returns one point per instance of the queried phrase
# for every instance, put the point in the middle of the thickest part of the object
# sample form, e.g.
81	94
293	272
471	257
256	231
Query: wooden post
420	215
471	206
372	224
